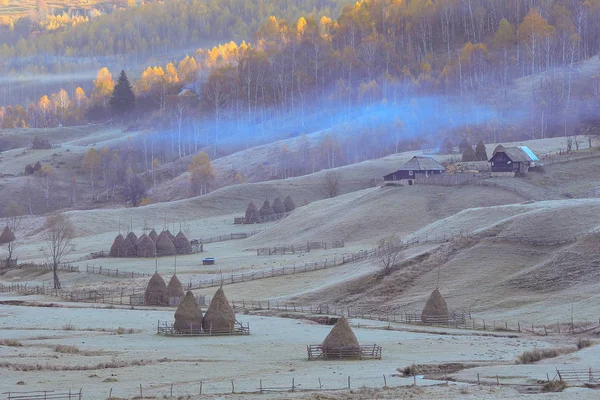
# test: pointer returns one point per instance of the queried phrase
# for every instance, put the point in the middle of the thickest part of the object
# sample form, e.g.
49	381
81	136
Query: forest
392	74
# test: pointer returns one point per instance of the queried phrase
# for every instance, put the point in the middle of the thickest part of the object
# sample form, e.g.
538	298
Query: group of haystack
254	215
150	245
219	317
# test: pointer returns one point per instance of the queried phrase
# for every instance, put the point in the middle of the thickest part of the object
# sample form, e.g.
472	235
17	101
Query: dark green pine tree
480	152
122	100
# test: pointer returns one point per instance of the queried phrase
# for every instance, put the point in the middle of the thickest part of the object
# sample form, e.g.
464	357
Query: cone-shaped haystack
436	309
220	316
129	247
7	236
341	341
169	234
266	209
145	247
188	315
252	214
278	207
175	288
132	238
164	246
289	204
118	248
182	244
156	291
153	235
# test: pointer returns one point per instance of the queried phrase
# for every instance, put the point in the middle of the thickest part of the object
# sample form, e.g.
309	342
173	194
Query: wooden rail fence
316	352
585	376
301	248
91	269
44	395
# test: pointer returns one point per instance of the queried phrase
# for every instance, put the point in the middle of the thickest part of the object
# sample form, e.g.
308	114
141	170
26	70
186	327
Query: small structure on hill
118	248
435	310
182	244
156	292
219	316
7	236
145	247
175	290
164	245
514	160
153	235
341	343
266	210
289	204
418	166
188	317
278	207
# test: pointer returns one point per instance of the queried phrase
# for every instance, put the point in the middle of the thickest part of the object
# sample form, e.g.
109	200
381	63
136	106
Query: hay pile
266	209
252	214
220	316
129	246
132	238
341	341
169	234
145	247
175	288
7	236
278	207
289	204
436	309
188	315
164	245
118	248
153	235
156	292
182	244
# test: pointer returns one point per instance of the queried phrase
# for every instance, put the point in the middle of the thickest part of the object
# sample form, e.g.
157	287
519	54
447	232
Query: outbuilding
417	166
514	160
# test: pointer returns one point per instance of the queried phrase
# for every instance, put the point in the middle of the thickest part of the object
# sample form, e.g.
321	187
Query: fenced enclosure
299	248
261	219
586	376
44	395
316	352
168	329
91	269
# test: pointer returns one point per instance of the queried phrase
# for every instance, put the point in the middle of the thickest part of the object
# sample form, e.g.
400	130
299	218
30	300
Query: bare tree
58	236
389	253
14	217
331	184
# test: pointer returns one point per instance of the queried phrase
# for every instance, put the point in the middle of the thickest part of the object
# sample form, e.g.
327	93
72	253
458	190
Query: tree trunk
56	280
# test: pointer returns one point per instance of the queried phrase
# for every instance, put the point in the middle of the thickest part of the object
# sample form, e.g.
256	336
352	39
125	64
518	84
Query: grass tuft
535	355
66	349
554	386
583	343
10	343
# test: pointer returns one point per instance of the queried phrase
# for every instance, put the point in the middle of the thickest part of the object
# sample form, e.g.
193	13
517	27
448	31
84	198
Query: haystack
182	244
156	292
129	247
169	234
341	341
132	238
164	246
153	235
436	309
278	206
188	315
220	316
289	204
175	288
266	209
118	248
146	246
252	214
7	236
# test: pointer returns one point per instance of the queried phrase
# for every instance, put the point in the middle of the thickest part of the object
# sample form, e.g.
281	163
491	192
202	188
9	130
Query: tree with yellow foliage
103	87
90	164
201	174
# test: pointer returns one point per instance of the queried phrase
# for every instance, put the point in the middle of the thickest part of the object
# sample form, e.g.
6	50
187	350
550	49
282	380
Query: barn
512	159
416	166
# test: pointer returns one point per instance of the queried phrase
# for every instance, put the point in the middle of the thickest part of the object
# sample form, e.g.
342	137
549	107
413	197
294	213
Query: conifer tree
122	99
480	152
468	154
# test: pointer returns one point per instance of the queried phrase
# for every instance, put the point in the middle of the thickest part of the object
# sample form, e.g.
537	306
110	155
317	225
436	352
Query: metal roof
529	153
419	163
517	154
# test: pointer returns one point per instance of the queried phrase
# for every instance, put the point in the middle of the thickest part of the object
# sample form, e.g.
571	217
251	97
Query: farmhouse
512	159
416	166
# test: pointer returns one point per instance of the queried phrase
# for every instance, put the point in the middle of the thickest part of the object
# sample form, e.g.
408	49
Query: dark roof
516	154
419	163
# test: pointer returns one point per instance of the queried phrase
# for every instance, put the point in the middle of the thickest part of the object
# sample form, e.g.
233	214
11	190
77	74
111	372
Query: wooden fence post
348	381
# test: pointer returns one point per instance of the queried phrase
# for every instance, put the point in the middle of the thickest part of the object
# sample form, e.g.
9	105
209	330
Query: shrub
66	349
10	342
554	386
583	343
68	327
535	355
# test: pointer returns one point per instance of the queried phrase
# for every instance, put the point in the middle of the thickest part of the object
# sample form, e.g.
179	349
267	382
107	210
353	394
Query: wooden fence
65	267
230	236
91	269
168	329
44	395
316	352
301	248
586	376
260	219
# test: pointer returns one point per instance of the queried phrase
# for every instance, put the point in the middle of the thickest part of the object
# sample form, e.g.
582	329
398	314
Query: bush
66	349
535	355
68	327
583	343
10	342
554	386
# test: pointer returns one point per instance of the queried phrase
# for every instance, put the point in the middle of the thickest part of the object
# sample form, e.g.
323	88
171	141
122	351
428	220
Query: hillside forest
382	76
